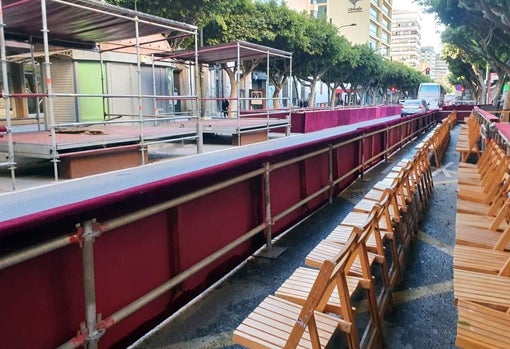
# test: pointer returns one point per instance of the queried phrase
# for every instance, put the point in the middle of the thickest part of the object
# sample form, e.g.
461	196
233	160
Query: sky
429	35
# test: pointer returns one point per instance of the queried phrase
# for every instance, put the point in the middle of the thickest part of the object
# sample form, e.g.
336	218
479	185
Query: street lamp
348	25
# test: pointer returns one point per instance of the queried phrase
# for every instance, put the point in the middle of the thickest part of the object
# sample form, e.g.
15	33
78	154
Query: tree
325	48
288	35
341	72
367	73
480	28
195	12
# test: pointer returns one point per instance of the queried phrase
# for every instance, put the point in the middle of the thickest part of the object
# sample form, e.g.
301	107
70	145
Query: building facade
360	21
428	60
406	38
440	72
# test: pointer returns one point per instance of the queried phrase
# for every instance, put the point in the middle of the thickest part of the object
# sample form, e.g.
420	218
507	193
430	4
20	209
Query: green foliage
323	49
480	29
319	52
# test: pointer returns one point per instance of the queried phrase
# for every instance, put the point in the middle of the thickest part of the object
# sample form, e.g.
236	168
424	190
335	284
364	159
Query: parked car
413	106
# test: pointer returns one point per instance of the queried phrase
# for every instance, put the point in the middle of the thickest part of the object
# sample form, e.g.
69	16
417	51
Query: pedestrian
224	107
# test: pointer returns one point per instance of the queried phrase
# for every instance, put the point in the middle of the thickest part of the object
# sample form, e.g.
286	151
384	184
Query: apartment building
440	72
406	38
360	21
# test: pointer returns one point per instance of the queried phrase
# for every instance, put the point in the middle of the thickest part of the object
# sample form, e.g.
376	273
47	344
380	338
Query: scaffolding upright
73	24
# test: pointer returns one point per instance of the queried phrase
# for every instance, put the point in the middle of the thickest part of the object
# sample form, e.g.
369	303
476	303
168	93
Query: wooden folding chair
467	142
479	170
494	169
485	191
489	237
338	295
482	288
492	207
279	323
469	222
405	195
330	246
481	260
481	327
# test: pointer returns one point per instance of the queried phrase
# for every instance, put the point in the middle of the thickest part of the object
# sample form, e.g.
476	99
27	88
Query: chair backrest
503	240
320	293
502	216
500	196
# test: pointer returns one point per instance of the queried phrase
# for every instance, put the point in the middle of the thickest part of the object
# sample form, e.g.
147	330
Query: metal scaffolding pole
139	73
36	84
267	94
287	133
89	285
200	136
49	90
238	87
7	101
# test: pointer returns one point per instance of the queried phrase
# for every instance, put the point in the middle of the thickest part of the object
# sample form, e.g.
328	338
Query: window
373	13
385	24
384	37
372	28
322	11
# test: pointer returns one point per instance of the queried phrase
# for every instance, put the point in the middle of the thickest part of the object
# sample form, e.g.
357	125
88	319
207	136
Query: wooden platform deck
93	149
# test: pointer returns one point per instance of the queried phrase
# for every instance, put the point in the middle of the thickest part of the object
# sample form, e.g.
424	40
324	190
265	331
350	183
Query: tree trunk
332	99
505	115
232	105
311	98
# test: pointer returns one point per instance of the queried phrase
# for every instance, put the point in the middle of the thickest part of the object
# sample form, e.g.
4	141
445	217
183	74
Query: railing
184	229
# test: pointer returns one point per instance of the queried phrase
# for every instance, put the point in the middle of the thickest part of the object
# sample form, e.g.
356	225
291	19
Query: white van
433	93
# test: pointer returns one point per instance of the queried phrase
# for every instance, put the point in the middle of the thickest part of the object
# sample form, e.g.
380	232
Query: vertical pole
154	92
101	69
267	197
7	100
49	90
238	83
36	84
362	156
330	175
291	90
200	138
140	105
387	143
487	86
401	135
89	285
267	93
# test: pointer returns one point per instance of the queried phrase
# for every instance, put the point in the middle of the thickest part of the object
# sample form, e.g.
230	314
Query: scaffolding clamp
88	230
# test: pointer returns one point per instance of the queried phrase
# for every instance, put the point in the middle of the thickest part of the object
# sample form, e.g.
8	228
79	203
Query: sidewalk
423	313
